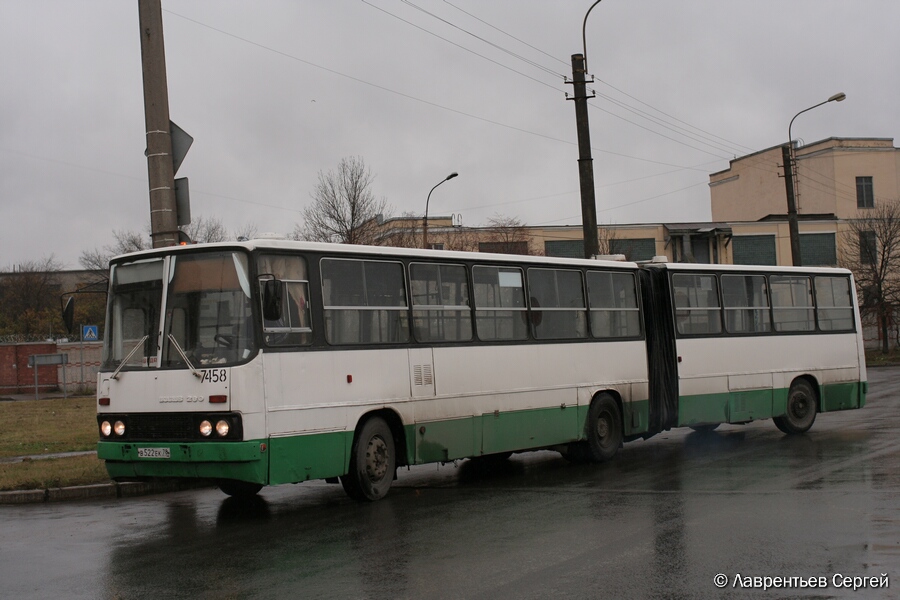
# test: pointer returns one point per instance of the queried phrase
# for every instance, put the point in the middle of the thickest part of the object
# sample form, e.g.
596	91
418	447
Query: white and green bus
269	362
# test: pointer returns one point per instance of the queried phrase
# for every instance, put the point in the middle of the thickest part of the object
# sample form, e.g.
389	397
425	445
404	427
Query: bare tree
126	241
507	235
872	252
343	208
29	298
206	230
247	231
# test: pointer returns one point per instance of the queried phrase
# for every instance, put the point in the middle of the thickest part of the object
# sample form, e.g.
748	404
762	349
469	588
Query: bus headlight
106	428
119	428
205	428
223	427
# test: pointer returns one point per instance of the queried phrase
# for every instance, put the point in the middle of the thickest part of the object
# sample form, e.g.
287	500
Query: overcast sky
275	92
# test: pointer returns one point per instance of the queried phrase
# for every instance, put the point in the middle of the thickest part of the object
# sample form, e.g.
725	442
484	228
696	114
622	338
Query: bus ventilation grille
423	375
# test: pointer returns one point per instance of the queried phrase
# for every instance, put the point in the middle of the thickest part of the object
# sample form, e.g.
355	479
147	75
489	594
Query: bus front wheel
604	429
373	462
800	412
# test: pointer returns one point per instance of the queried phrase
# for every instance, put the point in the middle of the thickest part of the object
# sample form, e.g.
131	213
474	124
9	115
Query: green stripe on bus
749	405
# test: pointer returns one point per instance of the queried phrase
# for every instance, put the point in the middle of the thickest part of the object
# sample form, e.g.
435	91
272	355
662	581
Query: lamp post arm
584	34
427	201
791	124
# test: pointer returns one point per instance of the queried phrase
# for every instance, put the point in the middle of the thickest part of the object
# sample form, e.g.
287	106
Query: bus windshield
208	310
134	309
207	316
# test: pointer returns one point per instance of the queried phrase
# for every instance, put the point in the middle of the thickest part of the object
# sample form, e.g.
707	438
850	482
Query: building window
510	247
753	250
865	195
564	248
633	249
818	250
868	247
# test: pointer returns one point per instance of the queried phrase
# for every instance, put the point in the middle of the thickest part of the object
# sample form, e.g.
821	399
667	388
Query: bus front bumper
244	461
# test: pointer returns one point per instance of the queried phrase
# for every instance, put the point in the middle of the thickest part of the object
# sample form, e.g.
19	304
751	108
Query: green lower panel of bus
497	432
750	405
247	461
491	433
305	457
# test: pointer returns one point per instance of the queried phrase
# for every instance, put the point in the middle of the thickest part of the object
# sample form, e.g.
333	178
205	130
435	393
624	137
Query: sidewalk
99	490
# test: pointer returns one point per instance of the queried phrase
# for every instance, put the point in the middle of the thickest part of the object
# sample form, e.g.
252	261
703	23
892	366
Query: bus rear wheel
800	412
604	429
373	462
238	489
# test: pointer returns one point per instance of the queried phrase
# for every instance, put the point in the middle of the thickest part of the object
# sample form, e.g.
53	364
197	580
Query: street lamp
425	220
787	155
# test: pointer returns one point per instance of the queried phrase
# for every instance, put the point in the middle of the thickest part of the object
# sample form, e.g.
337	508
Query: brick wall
16	377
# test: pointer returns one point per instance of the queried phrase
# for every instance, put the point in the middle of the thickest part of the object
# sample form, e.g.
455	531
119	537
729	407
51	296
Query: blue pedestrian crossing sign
89	333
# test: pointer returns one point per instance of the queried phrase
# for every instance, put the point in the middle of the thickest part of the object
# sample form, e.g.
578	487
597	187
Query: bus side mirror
273	296
68	314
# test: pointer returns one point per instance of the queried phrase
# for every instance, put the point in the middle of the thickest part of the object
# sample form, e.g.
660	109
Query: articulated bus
268	362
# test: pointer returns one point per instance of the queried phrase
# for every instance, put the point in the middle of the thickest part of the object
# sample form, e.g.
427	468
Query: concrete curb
100	490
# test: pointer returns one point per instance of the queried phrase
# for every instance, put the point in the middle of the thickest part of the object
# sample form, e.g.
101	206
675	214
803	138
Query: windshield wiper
115	374
184	356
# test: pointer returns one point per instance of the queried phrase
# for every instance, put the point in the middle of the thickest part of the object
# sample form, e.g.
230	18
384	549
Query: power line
703	133
484	40
409	96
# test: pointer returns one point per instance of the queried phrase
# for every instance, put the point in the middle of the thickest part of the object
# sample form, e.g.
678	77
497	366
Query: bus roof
385	251
748	268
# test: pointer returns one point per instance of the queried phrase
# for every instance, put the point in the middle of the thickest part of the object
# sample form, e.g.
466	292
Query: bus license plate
154	453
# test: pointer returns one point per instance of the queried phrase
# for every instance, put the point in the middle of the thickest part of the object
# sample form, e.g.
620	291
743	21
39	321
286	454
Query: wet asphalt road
660	521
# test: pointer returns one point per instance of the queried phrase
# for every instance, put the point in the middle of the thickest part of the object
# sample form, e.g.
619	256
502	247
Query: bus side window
792	306
294	326
614	307
697	310
440	298
557	304
834	304
364	301
746	304
500	312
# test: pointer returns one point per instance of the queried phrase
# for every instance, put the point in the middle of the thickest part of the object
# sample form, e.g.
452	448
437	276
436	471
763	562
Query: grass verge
52	472
34	427
874	358
47	426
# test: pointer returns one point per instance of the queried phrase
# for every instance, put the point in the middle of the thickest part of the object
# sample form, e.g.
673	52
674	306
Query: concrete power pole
793	224
585	161
160	168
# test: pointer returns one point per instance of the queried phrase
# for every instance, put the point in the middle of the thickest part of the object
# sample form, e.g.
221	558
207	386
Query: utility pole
160	168
793	224
585	161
